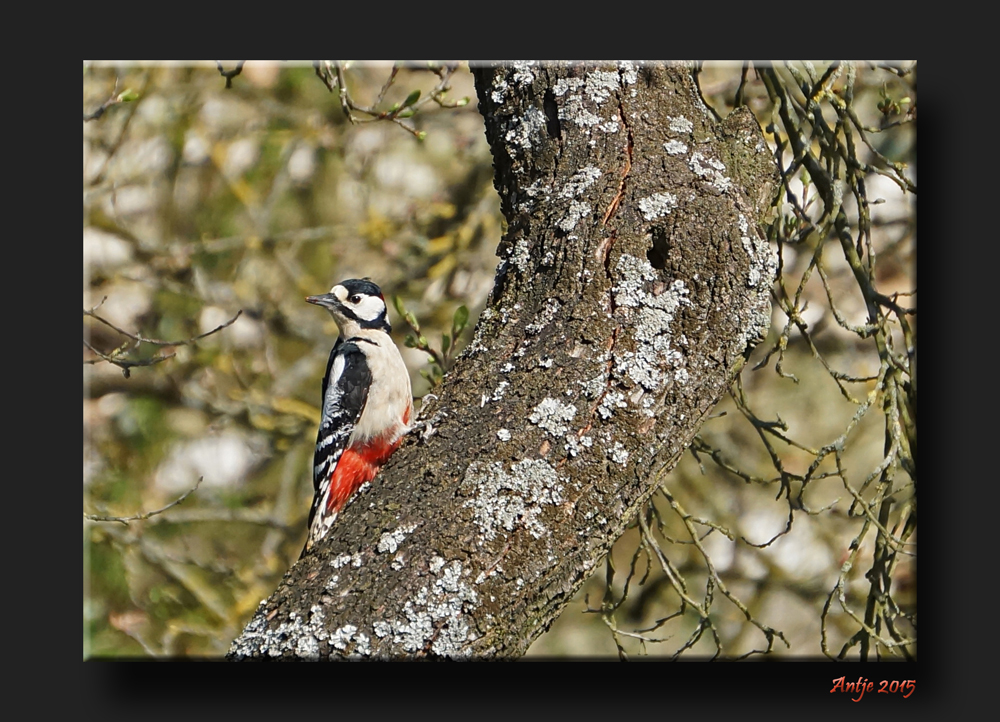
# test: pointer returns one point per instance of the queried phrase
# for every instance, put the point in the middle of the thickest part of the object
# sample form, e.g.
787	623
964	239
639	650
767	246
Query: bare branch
146	514
333	74
126	364
230	74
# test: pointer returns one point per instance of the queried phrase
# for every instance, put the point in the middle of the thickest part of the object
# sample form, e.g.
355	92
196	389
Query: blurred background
208	207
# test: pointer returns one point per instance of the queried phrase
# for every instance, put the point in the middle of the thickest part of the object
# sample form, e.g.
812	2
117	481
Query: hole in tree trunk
657	255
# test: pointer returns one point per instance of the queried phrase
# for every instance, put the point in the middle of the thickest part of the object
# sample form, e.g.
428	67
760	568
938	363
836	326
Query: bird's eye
356	298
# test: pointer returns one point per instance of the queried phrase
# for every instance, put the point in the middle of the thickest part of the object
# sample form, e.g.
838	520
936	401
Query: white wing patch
345	396
343	404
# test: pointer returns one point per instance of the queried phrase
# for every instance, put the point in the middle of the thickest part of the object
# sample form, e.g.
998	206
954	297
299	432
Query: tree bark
633	282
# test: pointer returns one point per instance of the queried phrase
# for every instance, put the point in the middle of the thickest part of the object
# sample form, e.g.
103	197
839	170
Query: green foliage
441	360
890	106
411	99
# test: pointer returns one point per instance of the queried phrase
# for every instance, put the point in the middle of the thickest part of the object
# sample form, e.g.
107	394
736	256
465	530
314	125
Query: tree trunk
633	281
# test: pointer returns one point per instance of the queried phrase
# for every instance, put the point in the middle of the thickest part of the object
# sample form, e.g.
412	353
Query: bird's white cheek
370	308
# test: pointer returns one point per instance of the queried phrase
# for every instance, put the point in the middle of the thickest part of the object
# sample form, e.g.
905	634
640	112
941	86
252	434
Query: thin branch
113	99
125	364
333	75
208	516
230	74
688	521
157	342
146	514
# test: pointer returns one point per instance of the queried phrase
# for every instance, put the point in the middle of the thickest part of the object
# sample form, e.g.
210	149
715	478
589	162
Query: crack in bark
629	143
605	248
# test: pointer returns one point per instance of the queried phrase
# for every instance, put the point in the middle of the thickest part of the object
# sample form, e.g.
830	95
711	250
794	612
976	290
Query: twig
157	342
333	76
145	515
115	98
125	364
230	74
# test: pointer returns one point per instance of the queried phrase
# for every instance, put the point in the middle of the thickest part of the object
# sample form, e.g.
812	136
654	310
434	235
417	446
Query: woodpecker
367	402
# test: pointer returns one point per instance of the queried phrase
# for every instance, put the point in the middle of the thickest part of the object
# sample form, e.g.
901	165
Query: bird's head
355	304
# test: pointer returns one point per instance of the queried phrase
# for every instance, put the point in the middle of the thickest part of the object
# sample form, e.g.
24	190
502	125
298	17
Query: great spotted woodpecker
367	402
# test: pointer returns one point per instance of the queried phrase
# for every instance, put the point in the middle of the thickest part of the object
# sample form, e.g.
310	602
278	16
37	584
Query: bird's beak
327	300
